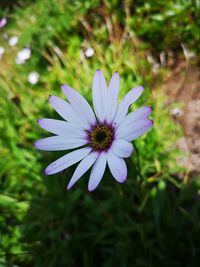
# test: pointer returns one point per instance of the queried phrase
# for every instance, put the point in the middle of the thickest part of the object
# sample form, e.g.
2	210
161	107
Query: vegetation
150	220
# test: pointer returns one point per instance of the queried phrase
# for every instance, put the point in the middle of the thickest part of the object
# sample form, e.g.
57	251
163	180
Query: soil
182	85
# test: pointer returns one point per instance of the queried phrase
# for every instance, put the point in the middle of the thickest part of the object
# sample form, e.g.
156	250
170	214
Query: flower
33	77
89	52
2	51
104	138
13	41
3	22
23	55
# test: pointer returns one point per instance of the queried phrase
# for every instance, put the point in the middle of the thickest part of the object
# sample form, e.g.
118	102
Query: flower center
101	137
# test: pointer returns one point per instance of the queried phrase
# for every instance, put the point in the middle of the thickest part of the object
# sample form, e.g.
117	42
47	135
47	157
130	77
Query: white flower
23	55
13	41
104	138
33	77
2	51
3	22
89	52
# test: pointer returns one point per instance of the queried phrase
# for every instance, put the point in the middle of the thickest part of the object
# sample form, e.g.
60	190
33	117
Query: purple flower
3	22
104	138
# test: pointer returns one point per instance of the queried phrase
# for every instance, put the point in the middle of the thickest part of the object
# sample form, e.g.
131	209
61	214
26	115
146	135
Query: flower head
13	41
3	22
103	137
33	77
89	52
23	55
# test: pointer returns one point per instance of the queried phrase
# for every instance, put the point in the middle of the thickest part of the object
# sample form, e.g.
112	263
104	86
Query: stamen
101	137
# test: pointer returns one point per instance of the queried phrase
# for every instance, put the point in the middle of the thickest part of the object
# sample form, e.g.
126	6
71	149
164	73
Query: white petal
122	148
61	128
112	97
117	167
79	104
128	100
134	130
67	160
99	95
56	143
83	166
66	111
97	172
139	114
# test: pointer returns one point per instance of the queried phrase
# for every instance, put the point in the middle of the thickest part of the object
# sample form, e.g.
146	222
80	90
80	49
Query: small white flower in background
13	41
3	22
2	51
23	55
176	112
99	138
89	52
33	77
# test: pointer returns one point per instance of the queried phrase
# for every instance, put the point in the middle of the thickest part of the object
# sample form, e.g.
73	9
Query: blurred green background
153	219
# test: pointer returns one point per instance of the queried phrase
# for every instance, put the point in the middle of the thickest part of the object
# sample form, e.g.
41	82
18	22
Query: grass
150	220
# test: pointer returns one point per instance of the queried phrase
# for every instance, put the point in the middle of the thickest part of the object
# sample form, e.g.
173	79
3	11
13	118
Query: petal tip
64	87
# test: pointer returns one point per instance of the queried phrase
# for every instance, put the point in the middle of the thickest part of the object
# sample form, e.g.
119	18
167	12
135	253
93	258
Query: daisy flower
99	138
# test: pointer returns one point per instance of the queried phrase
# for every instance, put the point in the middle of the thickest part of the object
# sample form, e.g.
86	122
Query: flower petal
57	143
61	128
66	111
79	104
112	97
128	100
99	95
139	114
83	166
97	172
117	167
67	160
134	130
122	148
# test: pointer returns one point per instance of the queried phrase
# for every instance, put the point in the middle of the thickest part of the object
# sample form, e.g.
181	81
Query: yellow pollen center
101	137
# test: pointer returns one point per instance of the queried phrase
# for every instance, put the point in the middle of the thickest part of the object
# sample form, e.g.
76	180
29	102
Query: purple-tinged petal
66	111
117	167
57	143
61	128
112	97
122	148
97	172
83	166
67	160
128	100
79	104
139	114
99	95
135	130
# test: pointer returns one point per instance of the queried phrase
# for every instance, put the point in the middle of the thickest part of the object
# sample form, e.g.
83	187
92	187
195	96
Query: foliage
153	217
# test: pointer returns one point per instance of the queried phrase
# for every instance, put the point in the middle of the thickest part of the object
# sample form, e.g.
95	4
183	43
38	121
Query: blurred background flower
2	51
13	41
153	218
89	52
33	77
3	22
23	55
